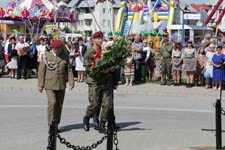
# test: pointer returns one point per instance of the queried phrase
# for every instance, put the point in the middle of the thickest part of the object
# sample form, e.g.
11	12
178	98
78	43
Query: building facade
101	15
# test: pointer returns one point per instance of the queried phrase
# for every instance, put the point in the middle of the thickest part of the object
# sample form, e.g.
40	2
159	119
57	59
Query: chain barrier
69	145
52	140
116	141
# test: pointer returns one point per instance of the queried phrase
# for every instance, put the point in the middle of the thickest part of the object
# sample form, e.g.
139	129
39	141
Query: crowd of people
200	65
22	56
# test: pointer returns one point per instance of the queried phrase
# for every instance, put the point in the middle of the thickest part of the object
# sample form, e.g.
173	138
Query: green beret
110	34
116	33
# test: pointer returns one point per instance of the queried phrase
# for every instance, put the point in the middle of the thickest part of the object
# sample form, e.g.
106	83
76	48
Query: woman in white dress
79	53
12	53
41	49
208	64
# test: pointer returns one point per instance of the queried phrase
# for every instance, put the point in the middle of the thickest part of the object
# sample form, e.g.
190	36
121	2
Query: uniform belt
166	57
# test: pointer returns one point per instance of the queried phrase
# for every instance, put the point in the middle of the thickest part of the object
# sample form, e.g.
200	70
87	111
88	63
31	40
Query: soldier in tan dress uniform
53	73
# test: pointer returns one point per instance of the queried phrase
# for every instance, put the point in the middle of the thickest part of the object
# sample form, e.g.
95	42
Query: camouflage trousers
99	96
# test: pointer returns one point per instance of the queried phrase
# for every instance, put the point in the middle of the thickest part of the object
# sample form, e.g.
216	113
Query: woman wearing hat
190	60
208	64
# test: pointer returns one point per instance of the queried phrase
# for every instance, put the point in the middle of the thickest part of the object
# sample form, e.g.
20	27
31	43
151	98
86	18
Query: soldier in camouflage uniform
165	61
100	87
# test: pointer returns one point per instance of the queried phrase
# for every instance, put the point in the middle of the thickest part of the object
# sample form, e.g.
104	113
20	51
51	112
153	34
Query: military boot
86	123
102	128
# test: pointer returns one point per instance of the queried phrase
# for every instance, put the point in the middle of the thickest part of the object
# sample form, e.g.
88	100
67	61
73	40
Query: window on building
80	23
88	22
87	10
109	23
81	11
110	10
104	10
103	23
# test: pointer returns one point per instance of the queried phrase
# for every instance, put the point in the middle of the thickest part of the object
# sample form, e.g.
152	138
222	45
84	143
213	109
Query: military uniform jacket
54	71
166	52
105	79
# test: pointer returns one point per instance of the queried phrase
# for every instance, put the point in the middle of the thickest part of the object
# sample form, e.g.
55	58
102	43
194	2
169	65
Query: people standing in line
165	61
146	57
32	59
72	58
54	70
200	67
41	49
208	65
177	60
129	70
218	71
210	41
80	50
152	64
86	42
12	58
137	48
190	62
13	65
22	51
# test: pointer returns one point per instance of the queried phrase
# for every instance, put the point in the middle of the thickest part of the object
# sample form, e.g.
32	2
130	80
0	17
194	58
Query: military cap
56	44
97	34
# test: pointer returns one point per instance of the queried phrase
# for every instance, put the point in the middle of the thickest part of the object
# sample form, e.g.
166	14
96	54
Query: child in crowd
177	63
129	70
200	67
208	64
218	72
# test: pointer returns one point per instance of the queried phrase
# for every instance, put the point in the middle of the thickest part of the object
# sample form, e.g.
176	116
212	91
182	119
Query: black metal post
110	130
218	125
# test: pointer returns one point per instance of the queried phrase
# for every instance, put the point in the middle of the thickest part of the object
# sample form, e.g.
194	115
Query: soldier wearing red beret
53	73
100	87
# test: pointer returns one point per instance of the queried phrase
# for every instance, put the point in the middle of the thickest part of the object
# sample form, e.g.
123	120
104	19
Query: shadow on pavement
123	127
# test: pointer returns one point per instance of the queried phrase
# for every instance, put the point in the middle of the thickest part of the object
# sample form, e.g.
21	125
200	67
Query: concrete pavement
147	89
152	117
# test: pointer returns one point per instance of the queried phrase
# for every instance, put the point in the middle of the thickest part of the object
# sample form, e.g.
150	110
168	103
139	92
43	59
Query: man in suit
53	73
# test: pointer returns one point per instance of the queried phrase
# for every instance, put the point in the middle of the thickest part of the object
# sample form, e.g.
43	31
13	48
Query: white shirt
6	46
20	46
148	53
41	49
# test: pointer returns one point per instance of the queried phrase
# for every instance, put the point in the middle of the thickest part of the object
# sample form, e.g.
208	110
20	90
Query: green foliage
114	57
77	32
